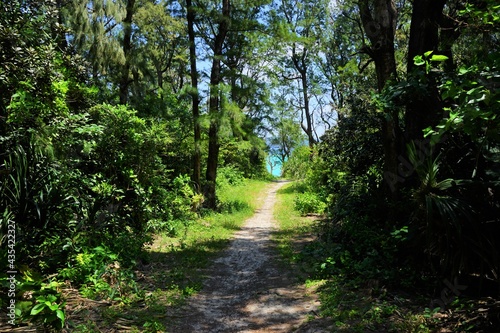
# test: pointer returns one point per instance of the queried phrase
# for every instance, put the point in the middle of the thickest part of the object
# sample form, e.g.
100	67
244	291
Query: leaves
428	58
419	60
37	309
439	58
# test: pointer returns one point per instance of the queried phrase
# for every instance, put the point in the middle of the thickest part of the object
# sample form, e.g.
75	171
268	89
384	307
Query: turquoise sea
276	170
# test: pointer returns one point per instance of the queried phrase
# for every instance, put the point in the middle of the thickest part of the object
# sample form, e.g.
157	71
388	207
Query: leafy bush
229	176
344	179
309	203
49	310
180	203
299	163
101	178
37	301
247	155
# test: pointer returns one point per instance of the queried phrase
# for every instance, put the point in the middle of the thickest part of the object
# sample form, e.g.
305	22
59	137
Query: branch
362	68
290	78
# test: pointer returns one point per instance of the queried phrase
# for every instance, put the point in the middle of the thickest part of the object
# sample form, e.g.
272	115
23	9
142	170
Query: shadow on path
247	289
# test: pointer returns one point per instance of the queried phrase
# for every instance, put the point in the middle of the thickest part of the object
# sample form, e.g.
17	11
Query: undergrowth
171	269
352	303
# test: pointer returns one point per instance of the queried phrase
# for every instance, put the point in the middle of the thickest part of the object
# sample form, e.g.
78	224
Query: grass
237	203
293	228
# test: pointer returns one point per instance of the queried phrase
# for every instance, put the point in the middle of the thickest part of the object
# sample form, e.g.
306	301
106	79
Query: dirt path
248	290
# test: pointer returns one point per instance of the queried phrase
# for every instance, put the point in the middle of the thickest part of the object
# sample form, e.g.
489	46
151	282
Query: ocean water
276	165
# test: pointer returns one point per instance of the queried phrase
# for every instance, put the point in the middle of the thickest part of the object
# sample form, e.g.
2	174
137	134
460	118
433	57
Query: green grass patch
213	230
293	228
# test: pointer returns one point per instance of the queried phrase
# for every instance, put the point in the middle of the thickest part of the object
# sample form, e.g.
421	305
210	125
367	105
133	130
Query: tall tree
194	95
127	49
214	107
379	19
28	61
424	109
348	76
299	28
160	55
93	30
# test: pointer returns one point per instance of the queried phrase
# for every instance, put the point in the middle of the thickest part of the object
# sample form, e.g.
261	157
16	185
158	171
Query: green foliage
180	204
48	311
229	176
246	157
309	203
35	198
152	326
428	59
474	110
89	179
95	36
102	272
28	56
439	215
356	302
305	166
486	13
468	139
37	301
288	137
88	262
299	163
344	179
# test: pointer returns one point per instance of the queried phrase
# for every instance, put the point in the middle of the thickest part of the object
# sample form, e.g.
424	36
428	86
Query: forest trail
248	290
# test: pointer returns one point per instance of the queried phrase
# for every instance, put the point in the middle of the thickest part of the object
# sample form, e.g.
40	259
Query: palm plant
445	226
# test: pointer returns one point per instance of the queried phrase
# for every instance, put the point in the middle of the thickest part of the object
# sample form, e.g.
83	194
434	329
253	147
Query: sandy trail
248	291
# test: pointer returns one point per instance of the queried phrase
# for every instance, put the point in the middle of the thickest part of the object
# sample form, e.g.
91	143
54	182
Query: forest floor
248	289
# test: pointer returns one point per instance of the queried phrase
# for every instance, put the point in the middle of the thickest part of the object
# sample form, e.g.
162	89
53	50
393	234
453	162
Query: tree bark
300	64
424	109
196	177
127	47
307	110
214	107
379	22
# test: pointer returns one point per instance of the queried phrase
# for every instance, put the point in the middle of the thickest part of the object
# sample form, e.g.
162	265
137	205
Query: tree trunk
424	110
214	107
159	74
196	178
127	47
379	23
307	110
299	61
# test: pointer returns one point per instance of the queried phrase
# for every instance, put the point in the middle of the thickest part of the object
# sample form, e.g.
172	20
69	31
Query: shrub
229	175
309	203
299	163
